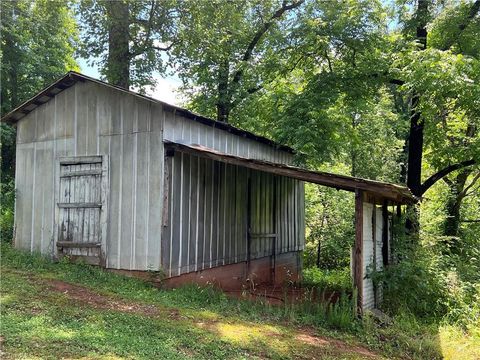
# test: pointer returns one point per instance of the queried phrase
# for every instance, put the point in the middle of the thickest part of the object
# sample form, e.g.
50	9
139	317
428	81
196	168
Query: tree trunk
415	138
118	62
455	199
454	202
223	101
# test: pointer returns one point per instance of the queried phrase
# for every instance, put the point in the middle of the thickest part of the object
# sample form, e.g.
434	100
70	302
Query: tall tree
127	38
38	44
229	49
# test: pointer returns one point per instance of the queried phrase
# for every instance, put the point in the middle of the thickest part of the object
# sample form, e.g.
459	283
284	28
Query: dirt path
305	336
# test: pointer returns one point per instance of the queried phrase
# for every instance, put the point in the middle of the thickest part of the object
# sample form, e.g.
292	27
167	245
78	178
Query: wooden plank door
80	205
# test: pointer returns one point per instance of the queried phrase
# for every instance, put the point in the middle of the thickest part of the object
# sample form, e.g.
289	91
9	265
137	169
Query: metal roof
72	77
377	189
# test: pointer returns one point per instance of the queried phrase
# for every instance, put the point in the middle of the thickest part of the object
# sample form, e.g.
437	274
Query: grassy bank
72	311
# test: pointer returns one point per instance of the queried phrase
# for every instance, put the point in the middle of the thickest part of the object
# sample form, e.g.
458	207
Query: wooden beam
79	205
73	160
358	250
342	182
71	244
81	173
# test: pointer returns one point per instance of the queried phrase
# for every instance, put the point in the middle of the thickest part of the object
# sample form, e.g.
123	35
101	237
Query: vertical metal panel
368	293
193	216
201	223
176	220
37	194
155	164
181	129
91	133
142	201
184	255
167	220
127	196
23	185
26	128
47	178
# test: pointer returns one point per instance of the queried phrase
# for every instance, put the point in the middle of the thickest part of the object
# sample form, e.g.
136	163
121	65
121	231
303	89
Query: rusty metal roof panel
395	193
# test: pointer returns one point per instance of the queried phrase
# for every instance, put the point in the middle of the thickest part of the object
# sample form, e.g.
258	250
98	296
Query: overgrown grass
39	322
338	280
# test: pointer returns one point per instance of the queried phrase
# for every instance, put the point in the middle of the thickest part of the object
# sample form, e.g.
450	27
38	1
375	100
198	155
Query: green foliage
328	280
7	144
150	28
38	43
7	204
421	283
229	50
329	224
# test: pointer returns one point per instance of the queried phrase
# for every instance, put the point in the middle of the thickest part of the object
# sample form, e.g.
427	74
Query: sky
165	90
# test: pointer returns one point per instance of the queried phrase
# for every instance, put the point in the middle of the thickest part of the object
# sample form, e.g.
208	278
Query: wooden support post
385	233
358	250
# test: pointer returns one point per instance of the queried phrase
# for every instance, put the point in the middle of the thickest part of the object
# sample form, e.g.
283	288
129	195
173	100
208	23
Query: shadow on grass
208	325
40	323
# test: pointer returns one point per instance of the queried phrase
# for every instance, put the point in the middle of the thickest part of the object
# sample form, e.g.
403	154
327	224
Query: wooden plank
74	160
358	250
71	244
79	205
386	190
82	173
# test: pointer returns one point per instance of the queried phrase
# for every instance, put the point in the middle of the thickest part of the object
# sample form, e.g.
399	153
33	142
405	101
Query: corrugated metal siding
90	119
369	250
184	130
378	248
368	295
42	136
207	214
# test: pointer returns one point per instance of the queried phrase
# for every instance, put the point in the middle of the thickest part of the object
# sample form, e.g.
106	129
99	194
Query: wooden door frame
104	160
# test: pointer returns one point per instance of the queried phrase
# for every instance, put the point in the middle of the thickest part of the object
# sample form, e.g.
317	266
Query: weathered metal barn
131	183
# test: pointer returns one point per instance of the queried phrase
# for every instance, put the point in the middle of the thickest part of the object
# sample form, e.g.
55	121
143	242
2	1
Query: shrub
7	204
338	280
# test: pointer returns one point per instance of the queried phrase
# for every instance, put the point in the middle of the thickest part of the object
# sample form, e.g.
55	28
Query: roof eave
72	77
